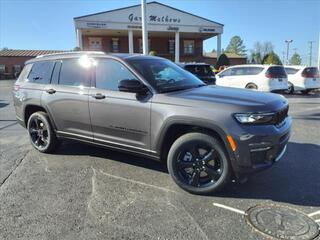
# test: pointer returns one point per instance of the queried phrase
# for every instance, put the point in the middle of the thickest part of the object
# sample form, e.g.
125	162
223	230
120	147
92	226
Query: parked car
267	78
149	106
302	78
202	70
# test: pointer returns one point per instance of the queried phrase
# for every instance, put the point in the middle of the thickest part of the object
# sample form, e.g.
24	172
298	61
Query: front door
118	118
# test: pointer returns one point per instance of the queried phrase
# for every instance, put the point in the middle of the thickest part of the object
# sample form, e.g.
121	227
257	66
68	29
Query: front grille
280	116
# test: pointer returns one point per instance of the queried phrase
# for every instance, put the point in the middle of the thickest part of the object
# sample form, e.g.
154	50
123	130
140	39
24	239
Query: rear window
41	72
72	73
291	70
200	70
276	72
310	72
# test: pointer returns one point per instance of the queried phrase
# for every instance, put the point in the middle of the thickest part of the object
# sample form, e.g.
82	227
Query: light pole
310	53
288	43
144	27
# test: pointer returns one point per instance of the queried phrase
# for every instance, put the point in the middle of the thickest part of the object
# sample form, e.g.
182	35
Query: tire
290	88
41	133
251	86
214	171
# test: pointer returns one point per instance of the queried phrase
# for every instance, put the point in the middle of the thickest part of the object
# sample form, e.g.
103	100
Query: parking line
229	208
313	214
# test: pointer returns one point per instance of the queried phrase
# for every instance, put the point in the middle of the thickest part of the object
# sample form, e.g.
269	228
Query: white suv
260	77
301	78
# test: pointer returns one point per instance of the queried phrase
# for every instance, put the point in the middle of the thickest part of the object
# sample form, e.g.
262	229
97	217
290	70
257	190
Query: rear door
118	118
67	98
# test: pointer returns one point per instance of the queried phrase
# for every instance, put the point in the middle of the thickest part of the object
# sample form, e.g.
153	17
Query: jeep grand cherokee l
150	106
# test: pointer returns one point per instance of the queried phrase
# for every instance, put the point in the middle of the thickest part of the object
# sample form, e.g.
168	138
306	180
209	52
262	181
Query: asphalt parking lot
86	192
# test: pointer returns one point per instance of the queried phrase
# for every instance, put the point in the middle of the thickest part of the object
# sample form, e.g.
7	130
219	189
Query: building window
2	68
115	45
95	44
171	47
188	46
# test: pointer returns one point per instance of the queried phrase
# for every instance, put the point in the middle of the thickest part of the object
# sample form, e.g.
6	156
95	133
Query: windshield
164	75
200	70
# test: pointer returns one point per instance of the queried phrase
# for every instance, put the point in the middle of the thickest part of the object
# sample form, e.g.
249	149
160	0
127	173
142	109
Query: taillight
16	87
268	75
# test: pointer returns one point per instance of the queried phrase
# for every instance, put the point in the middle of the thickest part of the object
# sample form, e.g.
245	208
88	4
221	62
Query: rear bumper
260	148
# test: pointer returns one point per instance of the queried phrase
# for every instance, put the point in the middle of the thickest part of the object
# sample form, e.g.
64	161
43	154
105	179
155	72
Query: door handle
50	91
99	96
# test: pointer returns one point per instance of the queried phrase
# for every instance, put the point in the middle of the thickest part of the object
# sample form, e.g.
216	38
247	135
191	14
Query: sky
48	24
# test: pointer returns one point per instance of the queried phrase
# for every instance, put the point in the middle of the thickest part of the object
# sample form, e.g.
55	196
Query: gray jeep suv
150	106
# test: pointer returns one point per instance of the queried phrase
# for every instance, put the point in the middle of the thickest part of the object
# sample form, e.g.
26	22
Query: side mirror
131	85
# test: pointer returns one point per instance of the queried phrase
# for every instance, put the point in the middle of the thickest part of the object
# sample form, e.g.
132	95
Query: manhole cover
282	222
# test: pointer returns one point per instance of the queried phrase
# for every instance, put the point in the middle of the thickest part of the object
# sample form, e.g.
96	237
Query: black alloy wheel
198	163
41	133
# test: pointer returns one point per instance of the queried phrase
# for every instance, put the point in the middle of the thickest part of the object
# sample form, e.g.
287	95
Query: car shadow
75	148
294	180
303	95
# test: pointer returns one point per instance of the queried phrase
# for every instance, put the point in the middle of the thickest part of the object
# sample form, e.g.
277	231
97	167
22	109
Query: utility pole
319	52
288	43
144	27
310	53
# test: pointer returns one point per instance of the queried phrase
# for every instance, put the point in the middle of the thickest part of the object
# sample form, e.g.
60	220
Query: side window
226	73
253	70
73	73
110	72
291	70
56	73
239	71
41	72
25	72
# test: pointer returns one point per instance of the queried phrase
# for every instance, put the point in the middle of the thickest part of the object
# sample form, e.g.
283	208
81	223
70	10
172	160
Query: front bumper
260	147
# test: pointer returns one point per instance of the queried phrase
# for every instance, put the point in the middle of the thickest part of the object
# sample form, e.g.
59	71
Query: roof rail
70	53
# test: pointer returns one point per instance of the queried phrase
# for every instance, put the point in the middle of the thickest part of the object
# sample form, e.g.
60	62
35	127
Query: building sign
204	29
154	18
96	24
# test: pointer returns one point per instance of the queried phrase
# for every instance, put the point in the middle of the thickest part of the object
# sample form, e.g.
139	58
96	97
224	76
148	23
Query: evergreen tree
295	59
236	46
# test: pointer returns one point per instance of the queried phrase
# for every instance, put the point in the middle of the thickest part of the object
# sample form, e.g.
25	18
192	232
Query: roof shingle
26	53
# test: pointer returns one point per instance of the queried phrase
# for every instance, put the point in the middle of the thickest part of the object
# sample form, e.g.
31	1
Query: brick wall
9	62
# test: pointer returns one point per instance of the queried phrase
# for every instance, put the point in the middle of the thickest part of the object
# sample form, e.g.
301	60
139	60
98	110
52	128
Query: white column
218	46
130	39
177	47
144	27
79	39
319	53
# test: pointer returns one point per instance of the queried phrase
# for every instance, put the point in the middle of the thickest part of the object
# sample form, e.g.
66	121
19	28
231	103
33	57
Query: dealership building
172	33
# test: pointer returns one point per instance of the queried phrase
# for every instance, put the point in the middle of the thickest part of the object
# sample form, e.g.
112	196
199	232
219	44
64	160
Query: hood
247	99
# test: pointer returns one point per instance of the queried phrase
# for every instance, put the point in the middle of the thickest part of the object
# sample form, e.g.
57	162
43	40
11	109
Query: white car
260	77
301	78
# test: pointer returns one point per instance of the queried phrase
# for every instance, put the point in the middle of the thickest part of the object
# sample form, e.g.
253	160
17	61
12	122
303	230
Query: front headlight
254	118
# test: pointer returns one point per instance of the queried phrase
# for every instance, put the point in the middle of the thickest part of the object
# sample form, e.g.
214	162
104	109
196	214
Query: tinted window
291	70
41	72
164	75
310	72
25	72
200	70
73	73
276	72
238	71
110	72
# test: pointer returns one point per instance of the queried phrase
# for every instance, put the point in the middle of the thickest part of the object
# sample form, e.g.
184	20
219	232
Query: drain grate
282	222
